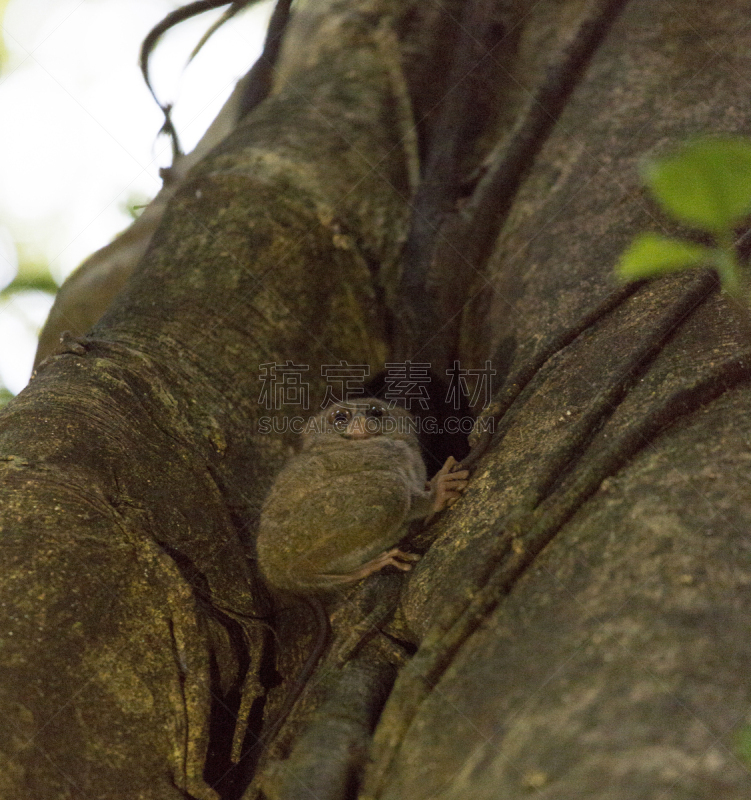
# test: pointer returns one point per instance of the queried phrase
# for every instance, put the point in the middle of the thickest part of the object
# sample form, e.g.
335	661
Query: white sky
78	132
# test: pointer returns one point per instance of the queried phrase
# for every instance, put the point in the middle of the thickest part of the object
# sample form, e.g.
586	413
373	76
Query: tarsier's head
358	420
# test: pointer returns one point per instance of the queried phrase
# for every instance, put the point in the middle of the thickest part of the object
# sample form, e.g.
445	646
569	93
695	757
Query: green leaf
38	282
706	183
743	744
650	255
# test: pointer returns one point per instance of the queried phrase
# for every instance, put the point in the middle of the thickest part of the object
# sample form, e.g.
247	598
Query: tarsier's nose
357	428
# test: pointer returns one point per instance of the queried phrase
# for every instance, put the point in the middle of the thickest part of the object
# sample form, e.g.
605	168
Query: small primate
337	510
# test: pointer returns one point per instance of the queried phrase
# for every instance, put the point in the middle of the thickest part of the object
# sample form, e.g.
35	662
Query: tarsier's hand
447	486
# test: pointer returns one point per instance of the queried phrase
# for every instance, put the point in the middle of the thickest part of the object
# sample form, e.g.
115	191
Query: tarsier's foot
448	485
394	558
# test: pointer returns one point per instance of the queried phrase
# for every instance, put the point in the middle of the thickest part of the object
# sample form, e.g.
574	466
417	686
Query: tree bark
577	625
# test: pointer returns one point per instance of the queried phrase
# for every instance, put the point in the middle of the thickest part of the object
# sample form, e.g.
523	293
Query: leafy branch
705	184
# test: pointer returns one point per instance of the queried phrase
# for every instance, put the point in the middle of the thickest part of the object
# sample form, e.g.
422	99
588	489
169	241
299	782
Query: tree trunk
576	626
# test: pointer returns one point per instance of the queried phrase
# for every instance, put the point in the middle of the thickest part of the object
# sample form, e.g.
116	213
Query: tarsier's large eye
376	412
340	419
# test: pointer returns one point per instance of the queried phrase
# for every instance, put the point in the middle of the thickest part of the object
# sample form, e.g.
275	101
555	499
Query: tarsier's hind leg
394	558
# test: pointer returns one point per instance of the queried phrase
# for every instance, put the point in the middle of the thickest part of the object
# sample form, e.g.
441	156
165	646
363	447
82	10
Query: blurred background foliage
79	151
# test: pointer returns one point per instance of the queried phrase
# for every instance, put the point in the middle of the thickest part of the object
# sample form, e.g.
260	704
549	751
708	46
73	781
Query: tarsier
337	510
